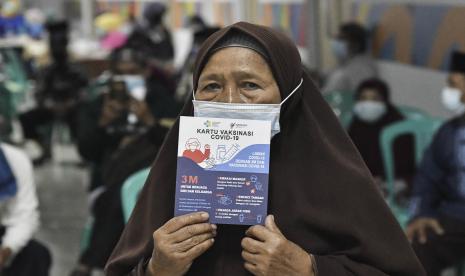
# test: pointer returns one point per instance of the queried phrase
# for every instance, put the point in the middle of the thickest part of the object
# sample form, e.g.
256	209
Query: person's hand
142	111
267	252
179	242
112	109
5	254
418	228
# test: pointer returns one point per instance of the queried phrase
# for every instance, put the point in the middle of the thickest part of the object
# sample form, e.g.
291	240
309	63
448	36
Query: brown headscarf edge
321	193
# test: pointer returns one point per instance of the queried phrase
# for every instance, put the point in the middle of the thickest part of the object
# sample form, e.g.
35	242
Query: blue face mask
340	49
245	111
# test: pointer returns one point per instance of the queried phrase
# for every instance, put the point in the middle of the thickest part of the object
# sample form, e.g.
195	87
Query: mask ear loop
293	91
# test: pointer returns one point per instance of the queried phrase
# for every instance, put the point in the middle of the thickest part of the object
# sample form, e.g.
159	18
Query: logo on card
209	123
237	125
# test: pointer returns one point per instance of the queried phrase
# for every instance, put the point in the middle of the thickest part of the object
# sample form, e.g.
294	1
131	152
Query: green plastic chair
130	191
422	131
413	113
86	234
340	101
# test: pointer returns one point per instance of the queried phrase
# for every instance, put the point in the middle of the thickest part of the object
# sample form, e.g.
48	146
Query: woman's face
237	75
370	95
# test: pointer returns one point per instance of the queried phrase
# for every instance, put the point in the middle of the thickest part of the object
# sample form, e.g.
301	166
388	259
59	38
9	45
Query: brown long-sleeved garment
321	193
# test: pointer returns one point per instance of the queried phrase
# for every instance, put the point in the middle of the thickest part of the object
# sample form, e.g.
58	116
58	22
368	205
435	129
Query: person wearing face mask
373	111
326	216
437	208
354	63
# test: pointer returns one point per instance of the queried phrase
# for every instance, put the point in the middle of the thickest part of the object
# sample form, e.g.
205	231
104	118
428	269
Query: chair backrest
421	129
130	191
412	113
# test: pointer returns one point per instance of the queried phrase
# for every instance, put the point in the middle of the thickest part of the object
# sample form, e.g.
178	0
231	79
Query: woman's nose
230	94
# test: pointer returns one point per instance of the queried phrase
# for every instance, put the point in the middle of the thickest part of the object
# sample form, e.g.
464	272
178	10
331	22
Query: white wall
415	86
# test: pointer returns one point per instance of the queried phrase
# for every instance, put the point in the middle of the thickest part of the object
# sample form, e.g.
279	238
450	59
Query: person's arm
21	218
426	196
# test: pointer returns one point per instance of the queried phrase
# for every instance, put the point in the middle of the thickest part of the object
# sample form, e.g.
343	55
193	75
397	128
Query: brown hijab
321	193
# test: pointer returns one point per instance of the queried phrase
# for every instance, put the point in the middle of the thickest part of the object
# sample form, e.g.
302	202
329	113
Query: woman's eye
212	87
250	86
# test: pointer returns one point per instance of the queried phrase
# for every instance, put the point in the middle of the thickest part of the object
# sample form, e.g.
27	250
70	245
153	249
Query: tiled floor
61	188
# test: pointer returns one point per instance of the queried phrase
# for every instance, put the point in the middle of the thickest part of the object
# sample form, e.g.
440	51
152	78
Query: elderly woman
326	215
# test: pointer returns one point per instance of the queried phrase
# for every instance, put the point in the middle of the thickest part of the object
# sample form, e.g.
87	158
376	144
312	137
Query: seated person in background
119	135
110	120
59	91
373	111
354	63
19	254
437	208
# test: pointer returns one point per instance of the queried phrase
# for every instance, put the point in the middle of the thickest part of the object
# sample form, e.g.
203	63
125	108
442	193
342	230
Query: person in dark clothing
373	111
108	220
60	88
437	207
119	122
326	216
153	39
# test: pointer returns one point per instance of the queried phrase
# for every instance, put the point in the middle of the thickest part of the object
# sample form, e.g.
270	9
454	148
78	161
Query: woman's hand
179	242
267	252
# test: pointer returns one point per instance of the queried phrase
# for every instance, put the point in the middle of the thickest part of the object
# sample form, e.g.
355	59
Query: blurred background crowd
89	89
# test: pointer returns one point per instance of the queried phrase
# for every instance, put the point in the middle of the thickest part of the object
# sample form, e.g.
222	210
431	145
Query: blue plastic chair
130	191
422	130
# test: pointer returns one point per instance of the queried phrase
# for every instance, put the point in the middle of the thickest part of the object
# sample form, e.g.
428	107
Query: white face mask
339	48
451	99
263	112
370	111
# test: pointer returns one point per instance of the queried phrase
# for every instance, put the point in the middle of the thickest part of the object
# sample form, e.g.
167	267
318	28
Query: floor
61	187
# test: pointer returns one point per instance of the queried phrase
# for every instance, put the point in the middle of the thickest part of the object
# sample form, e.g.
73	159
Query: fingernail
204	215
272	217
212	240
214	227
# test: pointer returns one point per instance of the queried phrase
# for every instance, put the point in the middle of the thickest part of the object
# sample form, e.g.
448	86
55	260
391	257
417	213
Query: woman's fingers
259	232
177	223
252	246
250	257
192	230
193	241
251	268
199	249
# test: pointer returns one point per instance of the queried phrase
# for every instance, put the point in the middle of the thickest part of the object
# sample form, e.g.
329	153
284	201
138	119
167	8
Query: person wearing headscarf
373	111
354	64
437	207
326	215
20	255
